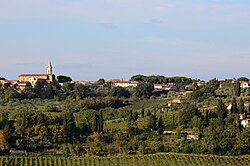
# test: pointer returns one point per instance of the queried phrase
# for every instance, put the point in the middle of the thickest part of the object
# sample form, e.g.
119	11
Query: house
245	122
22	85
123	83
242	116
159	86
84	82
244	84
192	137
5	83
163	87
229	107
189	87
176	101
201	83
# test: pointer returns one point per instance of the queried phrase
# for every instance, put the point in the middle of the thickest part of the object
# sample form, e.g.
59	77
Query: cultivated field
136	160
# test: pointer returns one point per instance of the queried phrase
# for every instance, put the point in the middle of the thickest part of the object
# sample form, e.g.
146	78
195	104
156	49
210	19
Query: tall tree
130	116
152	125
142	112
80	91
241	106
10	93
236	88
100	122
234	108
160	125
221	111
242	144
144	90
69	125
119	92
24	121
187	113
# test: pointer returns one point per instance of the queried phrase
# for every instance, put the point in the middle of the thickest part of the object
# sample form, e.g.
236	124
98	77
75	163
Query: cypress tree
142	112
130	118
69	125
221	112
241	106
152	122
160	125
100	122
206	118
236	89
234	108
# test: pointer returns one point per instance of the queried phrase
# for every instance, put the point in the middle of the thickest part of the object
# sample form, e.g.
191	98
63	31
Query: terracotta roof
117	81
160	85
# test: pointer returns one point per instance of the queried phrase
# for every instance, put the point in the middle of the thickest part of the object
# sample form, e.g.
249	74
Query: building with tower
33	78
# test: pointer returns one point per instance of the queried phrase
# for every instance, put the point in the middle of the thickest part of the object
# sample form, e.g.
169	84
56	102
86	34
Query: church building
33	78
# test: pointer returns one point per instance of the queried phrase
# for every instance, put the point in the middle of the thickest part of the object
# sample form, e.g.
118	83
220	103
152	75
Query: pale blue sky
119	38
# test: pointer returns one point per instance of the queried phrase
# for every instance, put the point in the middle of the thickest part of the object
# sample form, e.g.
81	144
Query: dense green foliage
101	119
162	79
63	79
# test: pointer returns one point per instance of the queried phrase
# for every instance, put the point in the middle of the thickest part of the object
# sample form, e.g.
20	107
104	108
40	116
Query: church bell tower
49	68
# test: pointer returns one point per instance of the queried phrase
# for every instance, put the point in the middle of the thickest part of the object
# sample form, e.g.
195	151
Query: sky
88	40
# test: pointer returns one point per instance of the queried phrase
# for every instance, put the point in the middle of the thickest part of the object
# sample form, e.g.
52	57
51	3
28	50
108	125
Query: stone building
33	78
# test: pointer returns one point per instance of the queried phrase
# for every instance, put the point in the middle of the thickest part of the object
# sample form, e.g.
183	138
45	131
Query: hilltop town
44	113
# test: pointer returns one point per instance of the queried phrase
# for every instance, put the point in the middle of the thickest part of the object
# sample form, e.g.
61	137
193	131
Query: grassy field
147	160
147	104
34	104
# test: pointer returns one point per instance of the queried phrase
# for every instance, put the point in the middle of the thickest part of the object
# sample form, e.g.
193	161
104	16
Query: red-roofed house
163	87
244	84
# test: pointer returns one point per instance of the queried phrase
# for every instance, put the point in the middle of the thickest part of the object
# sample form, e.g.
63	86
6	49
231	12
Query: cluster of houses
123	83
244	118
127	84
20	85
25	80
243	84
